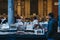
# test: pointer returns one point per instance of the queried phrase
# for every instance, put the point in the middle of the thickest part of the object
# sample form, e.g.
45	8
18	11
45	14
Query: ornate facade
29	7
39	7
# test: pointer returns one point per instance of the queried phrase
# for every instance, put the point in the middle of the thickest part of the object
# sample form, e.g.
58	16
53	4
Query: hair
51	15
35	17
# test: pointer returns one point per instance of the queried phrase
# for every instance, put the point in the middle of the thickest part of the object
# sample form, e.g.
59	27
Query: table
22	37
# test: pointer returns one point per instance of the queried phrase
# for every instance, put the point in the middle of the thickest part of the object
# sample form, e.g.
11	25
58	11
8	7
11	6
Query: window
3	7
21	4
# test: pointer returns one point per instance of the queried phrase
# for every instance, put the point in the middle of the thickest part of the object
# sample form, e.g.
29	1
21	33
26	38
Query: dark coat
52	27
0	21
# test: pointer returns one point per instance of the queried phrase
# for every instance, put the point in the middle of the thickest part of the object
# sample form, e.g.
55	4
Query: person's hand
46	30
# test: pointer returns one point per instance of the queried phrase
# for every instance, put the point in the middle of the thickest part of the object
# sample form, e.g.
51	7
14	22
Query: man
4	20
29	24
35	22
20	25
52	25
0	21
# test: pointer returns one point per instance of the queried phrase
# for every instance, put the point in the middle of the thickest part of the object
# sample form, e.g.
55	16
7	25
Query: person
52	25
16	18
29	24
0	19
20	25
35	22
4	20
26	22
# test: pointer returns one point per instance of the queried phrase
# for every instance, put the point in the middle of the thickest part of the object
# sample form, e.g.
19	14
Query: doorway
33	7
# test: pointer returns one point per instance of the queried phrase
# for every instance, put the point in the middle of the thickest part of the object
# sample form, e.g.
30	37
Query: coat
52	27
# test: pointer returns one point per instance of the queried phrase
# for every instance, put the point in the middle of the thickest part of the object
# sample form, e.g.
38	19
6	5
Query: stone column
49	6
40	8
19	7
27	8
10	11
59	12
58	15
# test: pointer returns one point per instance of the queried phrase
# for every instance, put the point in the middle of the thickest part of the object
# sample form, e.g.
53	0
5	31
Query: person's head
51	15
47	18
35	18
27	19
21	17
